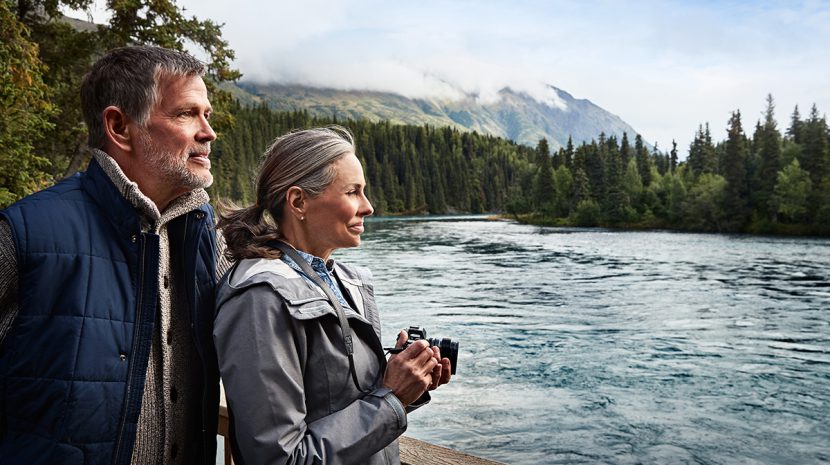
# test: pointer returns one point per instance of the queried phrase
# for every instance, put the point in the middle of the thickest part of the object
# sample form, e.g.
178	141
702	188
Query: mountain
514	115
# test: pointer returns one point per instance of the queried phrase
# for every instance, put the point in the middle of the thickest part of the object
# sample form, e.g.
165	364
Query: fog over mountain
553	114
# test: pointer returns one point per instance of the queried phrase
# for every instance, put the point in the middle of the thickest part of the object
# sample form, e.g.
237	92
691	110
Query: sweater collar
151	217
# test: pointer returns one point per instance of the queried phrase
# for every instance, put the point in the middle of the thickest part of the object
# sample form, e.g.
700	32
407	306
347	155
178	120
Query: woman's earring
302	218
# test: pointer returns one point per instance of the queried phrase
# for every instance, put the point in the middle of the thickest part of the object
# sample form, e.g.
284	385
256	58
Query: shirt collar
317	264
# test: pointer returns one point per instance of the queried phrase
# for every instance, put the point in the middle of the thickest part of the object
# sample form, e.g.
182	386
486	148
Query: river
597	346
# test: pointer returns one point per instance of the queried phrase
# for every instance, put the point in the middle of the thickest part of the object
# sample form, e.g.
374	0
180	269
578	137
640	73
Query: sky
664	67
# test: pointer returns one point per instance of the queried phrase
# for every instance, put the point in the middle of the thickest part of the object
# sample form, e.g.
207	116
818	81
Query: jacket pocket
308	308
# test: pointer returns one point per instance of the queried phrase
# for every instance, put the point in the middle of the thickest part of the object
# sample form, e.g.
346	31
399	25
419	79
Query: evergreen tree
616	206
816	153
643	161
768	149
625	149
569	153
673	157
735	172
25	111
564	186
543	191
796	126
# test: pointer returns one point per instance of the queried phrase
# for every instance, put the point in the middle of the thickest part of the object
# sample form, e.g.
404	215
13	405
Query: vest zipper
134	349
192	308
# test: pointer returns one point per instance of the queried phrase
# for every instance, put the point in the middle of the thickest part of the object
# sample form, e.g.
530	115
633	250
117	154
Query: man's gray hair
128	78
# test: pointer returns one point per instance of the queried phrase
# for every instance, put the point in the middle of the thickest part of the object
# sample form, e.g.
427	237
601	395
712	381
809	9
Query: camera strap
345	328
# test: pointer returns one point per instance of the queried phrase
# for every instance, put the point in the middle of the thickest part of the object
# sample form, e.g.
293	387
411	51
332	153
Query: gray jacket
290	394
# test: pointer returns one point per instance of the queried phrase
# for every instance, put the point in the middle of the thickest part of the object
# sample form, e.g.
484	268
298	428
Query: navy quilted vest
72	367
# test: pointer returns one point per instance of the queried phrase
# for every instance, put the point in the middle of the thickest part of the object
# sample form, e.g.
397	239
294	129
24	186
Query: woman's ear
118	129
295	202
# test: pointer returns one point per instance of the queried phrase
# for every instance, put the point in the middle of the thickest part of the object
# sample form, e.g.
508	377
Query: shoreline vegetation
784	230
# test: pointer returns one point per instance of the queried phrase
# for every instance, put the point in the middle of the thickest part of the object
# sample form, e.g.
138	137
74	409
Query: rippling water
592	346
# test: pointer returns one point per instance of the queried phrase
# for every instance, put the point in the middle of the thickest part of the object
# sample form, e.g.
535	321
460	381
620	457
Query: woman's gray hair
303	158
128	78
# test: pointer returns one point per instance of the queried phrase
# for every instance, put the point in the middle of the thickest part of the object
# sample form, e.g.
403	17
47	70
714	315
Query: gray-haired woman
298	335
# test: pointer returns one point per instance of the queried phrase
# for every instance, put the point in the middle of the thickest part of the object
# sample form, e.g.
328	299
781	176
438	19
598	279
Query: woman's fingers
410	372
402	338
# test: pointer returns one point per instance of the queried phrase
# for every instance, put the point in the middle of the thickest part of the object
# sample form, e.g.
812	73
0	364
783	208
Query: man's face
174	144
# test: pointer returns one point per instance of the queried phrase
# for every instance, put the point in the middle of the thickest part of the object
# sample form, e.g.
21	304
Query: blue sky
662	66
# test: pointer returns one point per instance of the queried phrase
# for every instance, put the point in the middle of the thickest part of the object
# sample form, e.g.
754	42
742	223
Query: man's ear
295	199
118	129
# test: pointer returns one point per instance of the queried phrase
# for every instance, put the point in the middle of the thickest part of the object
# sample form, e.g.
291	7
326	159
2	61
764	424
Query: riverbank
756	228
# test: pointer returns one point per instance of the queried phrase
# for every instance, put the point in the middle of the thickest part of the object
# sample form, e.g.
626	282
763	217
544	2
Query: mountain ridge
514	115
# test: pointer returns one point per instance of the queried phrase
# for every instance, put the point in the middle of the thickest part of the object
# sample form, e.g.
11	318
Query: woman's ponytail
247	231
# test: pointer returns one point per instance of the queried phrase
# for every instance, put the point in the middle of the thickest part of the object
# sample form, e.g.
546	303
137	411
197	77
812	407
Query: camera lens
448	349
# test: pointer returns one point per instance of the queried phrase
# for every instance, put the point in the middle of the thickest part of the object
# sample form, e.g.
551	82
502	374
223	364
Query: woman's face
334	219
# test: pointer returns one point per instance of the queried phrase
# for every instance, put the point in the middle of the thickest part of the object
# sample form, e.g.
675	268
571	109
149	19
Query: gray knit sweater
168	402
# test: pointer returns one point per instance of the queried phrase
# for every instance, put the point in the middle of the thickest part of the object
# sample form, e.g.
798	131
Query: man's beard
173	168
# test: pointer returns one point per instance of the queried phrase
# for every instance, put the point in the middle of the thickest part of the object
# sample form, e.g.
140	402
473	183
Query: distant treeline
767	183
409	169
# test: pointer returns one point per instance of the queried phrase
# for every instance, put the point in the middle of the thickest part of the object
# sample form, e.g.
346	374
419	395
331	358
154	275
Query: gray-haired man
107	281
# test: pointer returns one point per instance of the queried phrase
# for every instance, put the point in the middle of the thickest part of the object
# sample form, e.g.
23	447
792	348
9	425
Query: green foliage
587	213
704	204
24	111
792	190
67	47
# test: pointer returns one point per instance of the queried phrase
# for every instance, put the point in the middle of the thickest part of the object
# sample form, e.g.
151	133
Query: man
107	281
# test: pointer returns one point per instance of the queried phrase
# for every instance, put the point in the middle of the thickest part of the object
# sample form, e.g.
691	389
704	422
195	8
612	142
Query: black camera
447	347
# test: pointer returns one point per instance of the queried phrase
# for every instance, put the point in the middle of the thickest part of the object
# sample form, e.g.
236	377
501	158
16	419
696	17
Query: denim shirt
323	270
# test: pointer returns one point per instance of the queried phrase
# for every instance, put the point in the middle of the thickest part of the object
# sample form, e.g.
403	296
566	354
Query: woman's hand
442	371
411	372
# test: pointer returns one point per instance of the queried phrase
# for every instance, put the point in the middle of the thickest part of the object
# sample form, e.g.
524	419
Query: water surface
594	346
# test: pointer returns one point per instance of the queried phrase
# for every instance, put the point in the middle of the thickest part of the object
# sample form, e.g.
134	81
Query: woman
298	335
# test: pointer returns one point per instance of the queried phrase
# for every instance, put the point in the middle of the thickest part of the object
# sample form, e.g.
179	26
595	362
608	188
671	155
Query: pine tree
543	188
735	172
569	153
768	149
673	157
794	132
625	149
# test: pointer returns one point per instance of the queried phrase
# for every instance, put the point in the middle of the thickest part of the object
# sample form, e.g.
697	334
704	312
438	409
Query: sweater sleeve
223	263
8	280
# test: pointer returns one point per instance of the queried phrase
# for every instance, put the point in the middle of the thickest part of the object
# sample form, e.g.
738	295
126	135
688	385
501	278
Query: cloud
664	67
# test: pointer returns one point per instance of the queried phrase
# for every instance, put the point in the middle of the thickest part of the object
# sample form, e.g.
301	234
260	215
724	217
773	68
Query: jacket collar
305	300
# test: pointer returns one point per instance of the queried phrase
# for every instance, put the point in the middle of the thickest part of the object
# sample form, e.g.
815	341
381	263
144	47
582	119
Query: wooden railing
413	451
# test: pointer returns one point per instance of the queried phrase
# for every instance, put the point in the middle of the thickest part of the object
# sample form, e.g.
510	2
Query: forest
755	179
766	182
